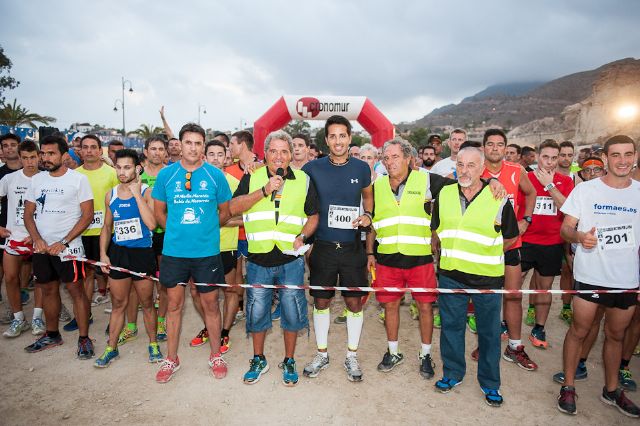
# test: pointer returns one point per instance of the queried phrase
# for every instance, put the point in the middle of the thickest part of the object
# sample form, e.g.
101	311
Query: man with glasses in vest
474	230
280	210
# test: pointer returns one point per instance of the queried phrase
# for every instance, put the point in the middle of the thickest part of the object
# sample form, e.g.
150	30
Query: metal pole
124	131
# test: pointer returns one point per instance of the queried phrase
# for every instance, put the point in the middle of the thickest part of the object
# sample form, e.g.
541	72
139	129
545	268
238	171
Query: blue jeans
293	303
453	313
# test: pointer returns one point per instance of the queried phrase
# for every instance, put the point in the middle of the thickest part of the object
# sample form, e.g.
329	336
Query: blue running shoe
257	367
105	359
24	297
154	353
289	373
275	315
492	397
446	385
581	374
73	324
85	348
627	383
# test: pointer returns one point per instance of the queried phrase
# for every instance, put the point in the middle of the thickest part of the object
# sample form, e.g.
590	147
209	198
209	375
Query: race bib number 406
545	206
340	217
616	237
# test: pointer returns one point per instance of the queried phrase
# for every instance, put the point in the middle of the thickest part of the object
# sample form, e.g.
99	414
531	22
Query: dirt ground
53	387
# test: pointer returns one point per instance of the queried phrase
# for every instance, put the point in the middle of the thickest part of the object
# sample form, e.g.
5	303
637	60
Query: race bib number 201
616	237
340	217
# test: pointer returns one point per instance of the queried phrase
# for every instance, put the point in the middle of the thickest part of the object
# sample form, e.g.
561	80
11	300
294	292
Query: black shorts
158	242
134	259
47	268
178	270
512	257
229	260
547	260
609	300
91	245
328	261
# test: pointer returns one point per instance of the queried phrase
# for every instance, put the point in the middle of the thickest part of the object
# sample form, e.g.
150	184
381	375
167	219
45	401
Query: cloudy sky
238	57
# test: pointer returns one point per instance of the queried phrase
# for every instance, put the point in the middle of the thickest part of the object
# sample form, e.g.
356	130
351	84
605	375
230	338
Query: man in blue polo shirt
191	201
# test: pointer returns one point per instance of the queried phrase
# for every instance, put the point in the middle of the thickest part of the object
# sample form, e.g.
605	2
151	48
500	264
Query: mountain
514	104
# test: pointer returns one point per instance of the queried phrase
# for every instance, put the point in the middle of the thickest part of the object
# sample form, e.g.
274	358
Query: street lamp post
121	100
202	108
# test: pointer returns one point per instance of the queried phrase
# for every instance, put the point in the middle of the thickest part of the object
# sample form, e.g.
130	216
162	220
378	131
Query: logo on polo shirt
354	180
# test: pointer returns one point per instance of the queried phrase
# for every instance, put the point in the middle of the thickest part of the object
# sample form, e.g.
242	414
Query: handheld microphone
279	172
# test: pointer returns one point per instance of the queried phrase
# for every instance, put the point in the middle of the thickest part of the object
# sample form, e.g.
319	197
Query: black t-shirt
275	257
508	226
402	261
4	170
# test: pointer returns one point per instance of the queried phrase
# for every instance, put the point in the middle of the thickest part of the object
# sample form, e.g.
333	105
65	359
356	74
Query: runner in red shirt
515	180
542	245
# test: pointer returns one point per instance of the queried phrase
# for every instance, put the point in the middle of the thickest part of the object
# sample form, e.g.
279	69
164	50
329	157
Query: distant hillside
511	105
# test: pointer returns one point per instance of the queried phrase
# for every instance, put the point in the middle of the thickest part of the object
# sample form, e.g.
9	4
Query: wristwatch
528	219
304	237
549	187
64	242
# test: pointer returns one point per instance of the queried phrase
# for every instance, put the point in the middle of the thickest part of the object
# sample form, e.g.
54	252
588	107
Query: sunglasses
187	183
592	170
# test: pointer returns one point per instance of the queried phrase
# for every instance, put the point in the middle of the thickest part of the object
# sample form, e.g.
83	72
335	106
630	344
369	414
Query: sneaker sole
218	376
443	390
266	369
53	345
613	404
170	377
562	410
289	384
314	375
524	367
392	367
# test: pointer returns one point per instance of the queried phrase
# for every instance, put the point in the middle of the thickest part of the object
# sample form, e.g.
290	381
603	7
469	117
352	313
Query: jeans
453	313
293	303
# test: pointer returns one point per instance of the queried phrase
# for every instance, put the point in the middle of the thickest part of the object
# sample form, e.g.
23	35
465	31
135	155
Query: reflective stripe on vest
263	234
469	242
403	227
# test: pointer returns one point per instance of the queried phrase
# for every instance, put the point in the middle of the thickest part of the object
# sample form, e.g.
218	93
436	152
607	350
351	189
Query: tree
147	130
15	115
320	142
419	137
297	126
6	81
359	140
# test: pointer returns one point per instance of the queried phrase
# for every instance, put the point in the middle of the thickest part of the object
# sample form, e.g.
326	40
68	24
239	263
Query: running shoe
342	318
37	327
567	400
154	353
225	345
24	296
65	316
389	361
161	334
319	363
618	399
471	324
44	342
351	364
581	374
167	369
218	366
73	324
627	383
127	335
99	299
201	338
426	365
85	348
381	316
107	356
289	372
16	328
492	397
7	316
538	338
257	367
275	315
413	310
437	321
566	315
446	385
504	332
240	316
108	309
530	320
519	357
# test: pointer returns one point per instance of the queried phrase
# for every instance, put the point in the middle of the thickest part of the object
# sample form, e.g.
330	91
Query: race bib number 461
616	237
340	217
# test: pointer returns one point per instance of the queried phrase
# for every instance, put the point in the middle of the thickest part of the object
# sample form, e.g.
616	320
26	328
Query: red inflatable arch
291	107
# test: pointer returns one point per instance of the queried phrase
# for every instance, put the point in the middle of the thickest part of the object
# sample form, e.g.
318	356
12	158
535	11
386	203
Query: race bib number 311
340	217
616	237
545	206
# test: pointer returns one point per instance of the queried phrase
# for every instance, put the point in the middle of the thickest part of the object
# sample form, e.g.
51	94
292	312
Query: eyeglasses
187	183
592	170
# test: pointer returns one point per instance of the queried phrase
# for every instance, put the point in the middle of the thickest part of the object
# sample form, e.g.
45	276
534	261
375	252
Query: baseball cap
79	135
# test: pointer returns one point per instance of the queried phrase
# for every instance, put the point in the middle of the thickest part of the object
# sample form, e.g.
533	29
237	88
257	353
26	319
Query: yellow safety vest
229	235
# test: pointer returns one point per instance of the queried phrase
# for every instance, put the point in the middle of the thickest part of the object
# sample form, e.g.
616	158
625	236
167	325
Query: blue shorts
243	249
293	303
178	270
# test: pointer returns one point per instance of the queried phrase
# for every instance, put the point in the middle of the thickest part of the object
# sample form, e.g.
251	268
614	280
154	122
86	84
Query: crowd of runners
195	212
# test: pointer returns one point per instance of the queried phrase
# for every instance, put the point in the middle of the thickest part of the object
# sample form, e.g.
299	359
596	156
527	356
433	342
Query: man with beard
428	157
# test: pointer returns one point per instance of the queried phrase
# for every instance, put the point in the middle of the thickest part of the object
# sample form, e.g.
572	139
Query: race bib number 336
128	229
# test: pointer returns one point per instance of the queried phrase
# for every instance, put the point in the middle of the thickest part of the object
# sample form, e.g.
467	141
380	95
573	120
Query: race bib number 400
616	237
340	217
545	206
98	220
128	229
